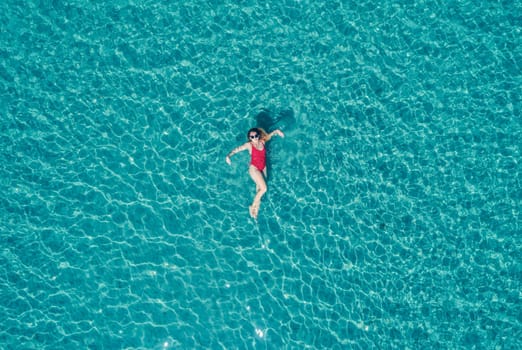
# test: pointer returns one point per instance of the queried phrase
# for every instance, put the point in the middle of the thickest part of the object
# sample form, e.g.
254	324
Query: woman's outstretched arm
243	147
275	132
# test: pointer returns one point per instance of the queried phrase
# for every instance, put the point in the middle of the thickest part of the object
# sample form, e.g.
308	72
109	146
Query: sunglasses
256	136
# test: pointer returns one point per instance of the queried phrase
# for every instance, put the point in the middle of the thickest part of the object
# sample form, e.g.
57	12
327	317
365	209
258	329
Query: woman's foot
254	210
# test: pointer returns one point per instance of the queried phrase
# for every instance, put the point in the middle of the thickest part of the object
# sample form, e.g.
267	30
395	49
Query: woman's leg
259	180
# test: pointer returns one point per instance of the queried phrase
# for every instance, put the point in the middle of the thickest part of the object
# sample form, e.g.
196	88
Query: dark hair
262	133
256	130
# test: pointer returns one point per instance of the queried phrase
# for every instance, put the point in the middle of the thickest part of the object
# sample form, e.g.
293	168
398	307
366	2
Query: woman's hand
280	133
229	162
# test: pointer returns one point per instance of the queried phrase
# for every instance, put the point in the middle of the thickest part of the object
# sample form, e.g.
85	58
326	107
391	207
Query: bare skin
258	176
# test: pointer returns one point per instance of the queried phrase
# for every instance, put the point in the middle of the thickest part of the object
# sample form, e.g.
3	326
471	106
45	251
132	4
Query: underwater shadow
268	120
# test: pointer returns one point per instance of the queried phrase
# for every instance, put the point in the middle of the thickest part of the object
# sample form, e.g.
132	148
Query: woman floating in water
257	170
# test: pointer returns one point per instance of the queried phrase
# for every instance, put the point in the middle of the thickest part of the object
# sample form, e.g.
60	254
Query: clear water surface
392	219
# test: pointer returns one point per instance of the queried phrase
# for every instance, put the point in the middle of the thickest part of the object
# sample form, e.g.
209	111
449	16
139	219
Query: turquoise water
392	219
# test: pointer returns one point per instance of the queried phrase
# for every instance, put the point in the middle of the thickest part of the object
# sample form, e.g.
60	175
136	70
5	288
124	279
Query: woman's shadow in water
270	121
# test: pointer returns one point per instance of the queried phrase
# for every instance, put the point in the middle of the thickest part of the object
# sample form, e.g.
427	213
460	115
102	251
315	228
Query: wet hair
260	131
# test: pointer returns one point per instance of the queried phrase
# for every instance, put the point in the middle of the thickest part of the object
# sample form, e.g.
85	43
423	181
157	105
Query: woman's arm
275	132
243	147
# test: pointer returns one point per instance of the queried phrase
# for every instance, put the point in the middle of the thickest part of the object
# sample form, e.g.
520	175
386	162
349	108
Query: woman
257	169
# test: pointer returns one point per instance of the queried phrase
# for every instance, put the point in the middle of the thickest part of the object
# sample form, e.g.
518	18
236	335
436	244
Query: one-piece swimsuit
258	157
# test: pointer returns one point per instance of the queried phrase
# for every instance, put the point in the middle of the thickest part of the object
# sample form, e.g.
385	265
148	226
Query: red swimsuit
258	157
